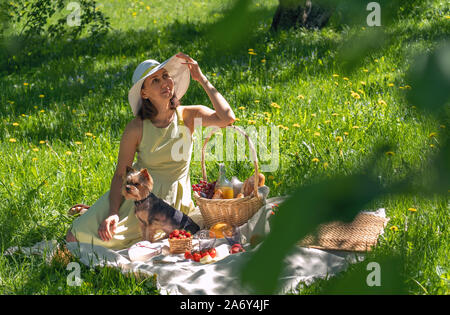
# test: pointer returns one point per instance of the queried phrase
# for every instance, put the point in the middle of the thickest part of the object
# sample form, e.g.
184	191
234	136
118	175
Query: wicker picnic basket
180	246
235	211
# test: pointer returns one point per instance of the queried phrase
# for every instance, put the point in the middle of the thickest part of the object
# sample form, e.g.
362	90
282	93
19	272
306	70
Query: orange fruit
221	229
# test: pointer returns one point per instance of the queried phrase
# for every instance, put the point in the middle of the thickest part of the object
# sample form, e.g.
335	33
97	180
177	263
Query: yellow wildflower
442	126
362	82
433	134
390	153
339	139
327	121
35	149
238	119
25	84
256	101
263	60
412	209
41	142
241	107
315	160
78	142
345	78
335	75
335	114
356	95
88	134
251	122
41	95
346	133
381	102
337	84
34	159
134	13
391	84
300	96
273	104
12	140
355	127
325	165
365	70
316	134
68	153
296	125
252	53
394	228
15	124
313	115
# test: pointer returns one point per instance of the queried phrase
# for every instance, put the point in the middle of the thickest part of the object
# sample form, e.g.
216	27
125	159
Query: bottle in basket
224	184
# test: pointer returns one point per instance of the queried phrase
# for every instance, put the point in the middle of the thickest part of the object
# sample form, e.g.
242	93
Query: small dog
153	213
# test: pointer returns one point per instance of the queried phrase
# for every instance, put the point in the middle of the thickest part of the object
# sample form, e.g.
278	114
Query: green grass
84	109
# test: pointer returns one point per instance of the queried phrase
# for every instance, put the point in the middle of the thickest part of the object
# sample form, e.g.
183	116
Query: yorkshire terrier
153	213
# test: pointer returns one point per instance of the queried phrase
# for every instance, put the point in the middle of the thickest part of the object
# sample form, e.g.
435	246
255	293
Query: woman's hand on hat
196	73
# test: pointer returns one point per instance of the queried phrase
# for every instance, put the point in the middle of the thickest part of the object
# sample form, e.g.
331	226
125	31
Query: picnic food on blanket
143	251
203	256
236	248
249	184
205	189
224	184
220	229
180	241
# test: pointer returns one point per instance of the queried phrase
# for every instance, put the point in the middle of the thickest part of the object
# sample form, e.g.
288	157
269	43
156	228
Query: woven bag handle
250	145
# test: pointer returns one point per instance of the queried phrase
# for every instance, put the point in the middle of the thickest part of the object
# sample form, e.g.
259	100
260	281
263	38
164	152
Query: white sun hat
180	74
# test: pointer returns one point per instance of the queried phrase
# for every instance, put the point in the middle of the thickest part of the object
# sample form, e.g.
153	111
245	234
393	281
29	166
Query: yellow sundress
166	153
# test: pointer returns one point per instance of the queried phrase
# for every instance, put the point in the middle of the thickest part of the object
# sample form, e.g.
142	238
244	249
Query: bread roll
248	186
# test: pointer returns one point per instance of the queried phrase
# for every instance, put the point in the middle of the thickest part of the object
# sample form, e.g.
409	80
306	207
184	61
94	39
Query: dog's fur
153	213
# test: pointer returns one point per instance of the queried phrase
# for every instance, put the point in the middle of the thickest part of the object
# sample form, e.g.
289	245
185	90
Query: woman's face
158	87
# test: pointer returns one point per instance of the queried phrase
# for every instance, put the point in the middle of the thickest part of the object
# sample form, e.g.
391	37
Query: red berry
188	234
196	257
187	255
212	252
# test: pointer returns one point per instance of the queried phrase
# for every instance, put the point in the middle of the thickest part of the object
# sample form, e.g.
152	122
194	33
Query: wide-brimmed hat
179	72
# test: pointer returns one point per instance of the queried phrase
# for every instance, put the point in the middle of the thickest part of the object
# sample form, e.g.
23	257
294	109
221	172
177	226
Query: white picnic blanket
176	275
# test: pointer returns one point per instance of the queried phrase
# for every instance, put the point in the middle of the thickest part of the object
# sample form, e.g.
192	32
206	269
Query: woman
154	99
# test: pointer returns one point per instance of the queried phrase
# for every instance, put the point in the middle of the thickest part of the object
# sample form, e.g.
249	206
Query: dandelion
15	124
263	60
431	145
252	53
345	78
345	133
356	95
327	121
365	70
313	115
34	159
35	149
407	87
25	84
12	140
361	91
316	134
325	165
134	14
339	139
41	142
23	115
42	111
355	127
433	134
88	134
251	122
391	84
267	119
390	153
300	96
41	95
442	126
412	209
335	75
315	160
394	228
275	105
347	103
335	114
336	83
296	125
362	83
78	142
241	107
381	102
256	101
68	152
238	119
147	7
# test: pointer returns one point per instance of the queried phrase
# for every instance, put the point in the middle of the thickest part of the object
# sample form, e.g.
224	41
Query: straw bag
235	211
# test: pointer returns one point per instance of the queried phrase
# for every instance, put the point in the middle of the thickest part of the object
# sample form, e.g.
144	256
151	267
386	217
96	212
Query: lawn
64	106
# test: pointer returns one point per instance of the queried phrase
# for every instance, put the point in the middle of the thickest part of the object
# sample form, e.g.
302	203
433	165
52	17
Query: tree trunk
296	13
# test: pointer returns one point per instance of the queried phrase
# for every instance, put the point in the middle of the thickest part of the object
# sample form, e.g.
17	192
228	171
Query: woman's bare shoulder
134	129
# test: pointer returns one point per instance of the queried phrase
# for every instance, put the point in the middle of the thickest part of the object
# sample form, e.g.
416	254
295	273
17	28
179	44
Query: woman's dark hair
149	111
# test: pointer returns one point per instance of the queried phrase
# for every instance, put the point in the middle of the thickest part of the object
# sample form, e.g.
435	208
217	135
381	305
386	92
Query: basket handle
252	151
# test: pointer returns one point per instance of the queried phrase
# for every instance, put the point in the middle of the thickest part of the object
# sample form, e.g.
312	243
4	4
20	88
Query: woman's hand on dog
107	228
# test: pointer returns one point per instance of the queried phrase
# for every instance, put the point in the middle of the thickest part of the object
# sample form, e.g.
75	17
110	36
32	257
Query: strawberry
176	233
212	252
196	257
187	255
188	234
